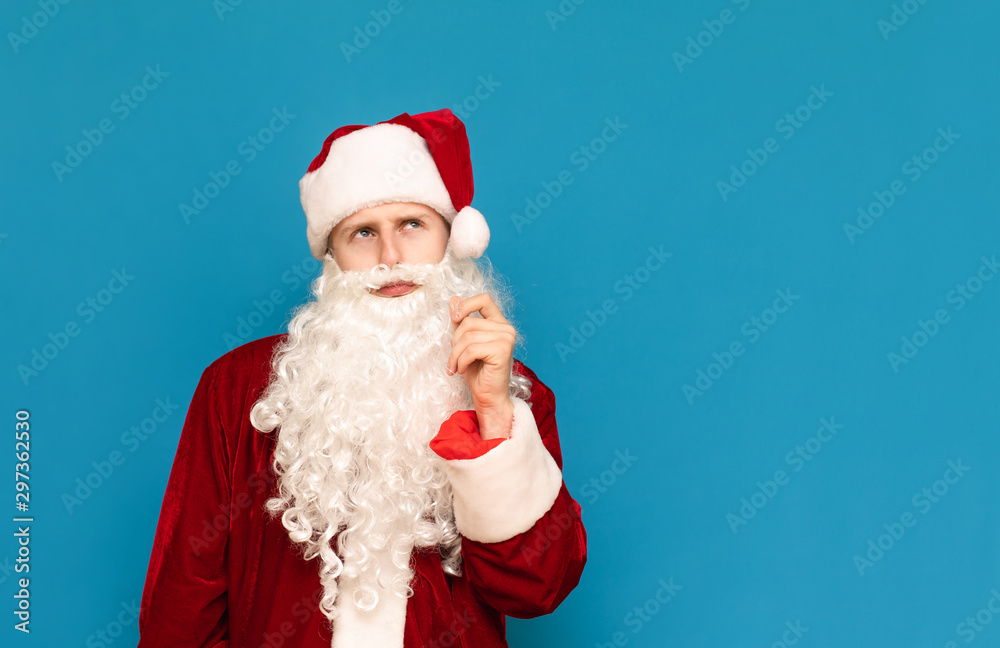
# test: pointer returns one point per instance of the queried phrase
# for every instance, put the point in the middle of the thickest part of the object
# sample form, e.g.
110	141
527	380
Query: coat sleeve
523	541
184	602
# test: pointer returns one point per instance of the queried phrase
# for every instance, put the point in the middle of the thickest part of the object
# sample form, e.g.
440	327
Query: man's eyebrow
400	219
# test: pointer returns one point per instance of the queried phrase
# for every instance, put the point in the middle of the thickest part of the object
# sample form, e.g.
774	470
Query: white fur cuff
505	491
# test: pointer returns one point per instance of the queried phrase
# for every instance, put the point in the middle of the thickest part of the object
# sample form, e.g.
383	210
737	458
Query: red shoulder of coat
243	372
249	355
252	357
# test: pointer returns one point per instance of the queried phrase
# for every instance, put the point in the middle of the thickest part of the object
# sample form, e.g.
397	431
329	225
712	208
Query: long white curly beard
358	390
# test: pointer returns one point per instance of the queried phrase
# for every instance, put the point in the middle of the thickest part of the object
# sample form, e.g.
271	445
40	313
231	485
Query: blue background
556	78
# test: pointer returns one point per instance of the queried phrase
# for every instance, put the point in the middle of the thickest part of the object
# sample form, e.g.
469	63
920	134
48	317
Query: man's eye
414	221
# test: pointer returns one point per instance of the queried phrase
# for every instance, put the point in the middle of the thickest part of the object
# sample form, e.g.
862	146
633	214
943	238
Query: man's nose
389	253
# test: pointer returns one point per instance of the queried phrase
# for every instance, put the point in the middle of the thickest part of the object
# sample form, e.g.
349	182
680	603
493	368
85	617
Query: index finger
482	303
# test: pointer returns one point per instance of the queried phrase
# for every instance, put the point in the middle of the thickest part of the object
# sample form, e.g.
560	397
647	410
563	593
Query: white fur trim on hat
505	491
371	166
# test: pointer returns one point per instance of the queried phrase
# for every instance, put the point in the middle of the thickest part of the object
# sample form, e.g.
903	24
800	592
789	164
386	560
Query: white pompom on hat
421	158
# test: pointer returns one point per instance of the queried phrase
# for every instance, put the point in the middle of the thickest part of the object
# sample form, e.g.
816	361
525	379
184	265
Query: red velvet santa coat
223	573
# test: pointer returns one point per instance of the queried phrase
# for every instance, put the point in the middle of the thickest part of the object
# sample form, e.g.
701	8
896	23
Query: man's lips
396	288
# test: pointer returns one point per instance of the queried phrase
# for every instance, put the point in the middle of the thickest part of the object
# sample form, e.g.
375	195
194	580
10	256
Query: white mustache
382	275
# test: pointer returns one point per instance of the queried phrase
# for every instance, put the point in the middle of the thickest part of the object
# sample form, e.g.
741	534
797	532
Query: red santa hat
421	158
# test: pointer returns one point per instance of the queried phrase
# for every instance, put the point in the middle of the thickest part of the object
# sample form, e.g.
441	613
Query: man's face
390	234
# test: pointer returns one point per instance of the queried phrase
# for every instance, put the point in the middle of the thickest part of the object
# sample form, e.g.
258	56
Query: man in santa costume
385	474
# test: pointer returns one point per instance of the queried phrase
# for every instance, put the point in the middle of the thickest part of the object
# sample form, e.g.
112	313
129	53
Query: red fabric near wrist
459	437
